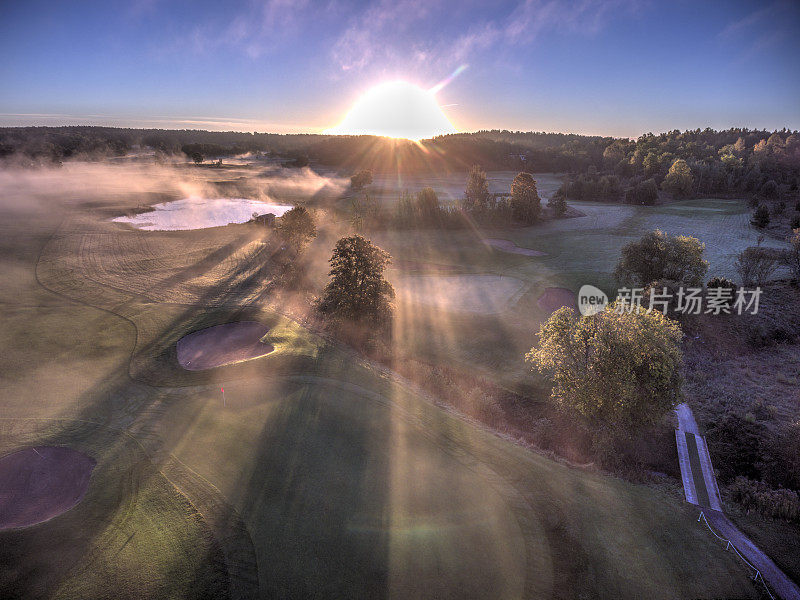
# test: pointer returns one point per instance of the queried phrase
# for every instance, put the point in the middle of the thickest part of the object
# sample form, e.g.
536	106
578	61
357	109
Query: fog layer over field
153	182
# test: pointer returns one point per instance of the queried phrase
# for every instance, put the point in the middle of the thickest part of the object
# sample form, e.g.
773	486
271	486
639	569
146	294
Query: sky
620	67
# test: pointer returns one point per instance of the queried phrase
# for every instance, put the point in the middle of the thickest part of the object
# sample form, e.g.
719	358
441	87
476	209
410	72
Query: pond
199	213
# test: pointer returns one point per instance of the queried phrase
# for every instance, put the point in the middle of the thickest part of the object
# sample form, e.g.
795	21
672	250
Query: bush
361	179
724	283
771	503
736	444
657	256
756	265
558	204
645	192
770	189
760	216
793	255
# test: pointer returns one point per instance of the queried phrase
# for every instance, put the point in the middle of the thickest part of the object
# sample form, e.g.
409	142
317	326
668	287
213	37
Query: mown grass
132	536
348	482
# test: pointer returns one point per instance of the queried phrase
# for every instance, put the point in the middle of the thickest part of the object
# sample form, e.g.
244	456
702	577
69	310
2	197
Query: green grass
133	535
318	477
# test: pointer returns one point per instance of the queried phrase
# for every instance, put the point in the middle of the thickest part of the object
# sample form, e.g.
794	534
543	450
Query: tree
361	179
525	203
679	179
427	204
197	158
770	189
558	204
760	217
476	196
357	290
645	192
297	227
619	370
657	256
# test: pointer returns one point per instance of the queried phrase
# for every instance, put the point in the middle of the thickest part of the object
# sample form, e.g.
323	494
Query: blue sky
621	67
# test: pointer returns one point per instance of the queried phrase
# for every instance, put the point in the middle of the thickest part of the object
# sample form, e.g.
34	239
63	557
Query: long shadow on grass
316	500
93	422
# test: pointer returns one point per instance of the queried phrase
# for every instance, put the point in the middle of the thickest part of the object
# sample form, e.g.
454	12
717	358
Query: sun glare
395	109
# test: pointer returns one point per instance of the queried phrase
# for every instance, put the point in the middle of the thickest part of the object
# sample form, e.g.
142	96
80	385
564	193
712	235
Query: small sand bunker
37	484
555	297
486	294
509	246
199	213
222	345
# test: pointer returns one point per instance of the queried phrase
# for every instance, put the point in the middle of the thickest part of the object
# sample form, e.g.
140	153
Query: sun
397	109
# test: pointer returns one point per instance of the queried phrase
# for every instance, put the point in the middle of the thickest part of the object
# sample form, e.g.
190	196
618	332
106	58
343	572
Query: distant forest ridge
727	159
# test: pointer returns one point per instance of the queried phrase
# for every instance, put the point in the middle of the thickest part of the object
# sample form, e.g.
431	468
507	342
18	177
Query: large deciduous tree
657	256
525	203
358	290
297	227
679	179
619	370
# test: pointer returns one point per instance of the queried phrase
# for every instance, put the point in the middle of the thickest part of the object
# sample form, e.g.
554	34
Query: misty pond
199	213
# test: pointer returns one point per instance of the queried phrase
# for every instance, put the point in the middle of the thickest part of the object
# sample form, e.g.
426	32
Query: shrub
756	265
793	255
772	503
361	179
760	217
724	283
770	189
558	204
645	192
657	256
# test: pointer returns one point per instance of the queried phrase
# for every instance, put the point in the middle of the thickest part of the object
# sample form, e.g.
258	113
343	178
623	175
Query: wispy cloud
257	29
369	35
393	30
762	29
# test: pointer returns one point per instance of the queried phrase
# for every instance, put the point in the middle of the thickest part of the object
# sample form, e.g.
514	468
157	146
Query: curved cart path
700	487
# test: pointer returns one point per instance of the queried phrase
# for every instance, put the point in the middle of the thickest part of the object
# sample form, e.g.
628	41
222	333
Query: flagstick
223	395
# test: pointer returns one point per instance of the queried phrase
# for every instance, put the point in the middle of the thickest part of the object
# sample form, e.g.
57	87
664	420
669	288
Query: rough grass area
779	539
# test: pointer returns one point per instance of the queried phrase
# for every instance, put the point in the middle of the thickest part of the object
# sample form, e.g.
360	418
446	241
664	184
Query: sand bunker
508	246
36	484
222	345
199	213
554	298
487	294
